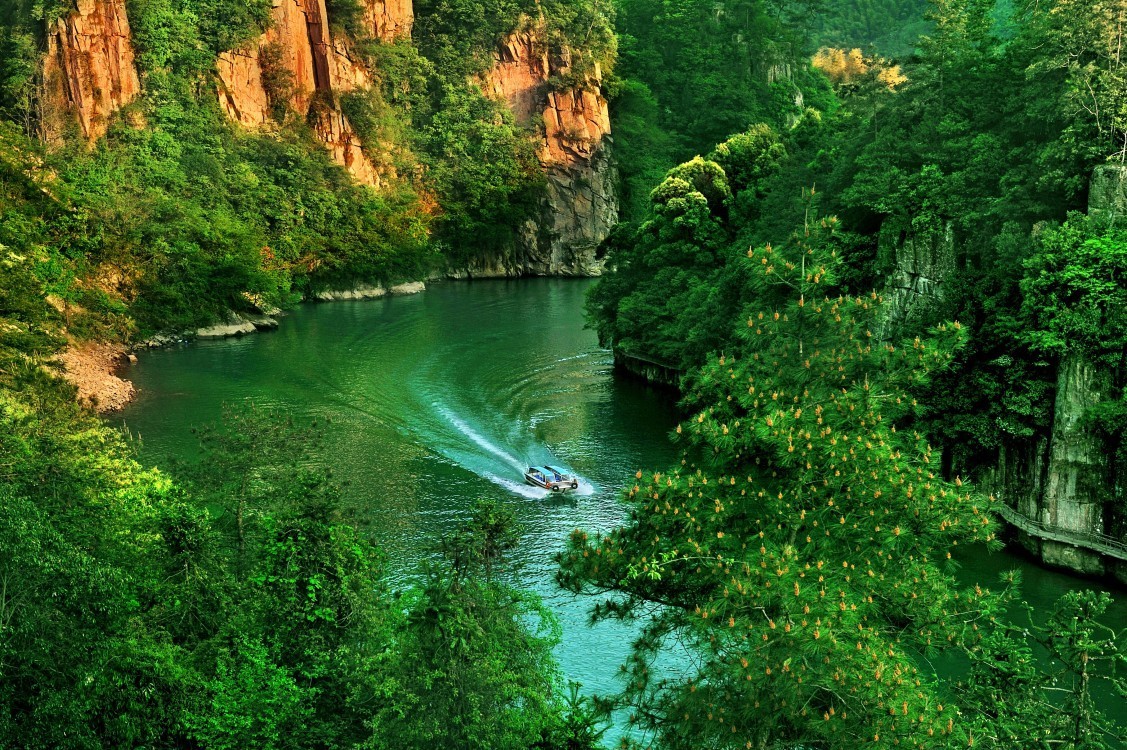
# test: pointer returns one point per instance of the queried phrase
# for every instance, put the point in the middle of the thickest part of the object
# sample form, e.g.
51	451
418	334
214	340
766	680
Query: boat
550	478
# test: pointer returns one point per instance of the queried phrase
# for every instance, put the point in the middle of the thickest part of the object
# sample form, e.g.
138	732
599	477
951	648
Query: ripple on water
437	400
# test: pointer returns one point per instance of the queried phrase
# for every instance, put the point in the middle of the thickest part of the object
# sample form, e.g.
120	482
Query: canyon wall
298	59
1055	487
580	205
922	263
1060	486
298	65
89	71
389	19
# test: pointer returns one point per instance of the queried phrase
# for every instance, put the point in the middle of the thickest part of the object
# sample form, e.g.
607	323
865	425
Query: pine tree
801	549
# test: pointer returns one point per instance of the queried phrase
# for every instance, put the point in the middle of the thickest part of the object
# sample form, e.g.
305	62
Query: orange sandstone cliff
89	71
319	68
581	203
389	19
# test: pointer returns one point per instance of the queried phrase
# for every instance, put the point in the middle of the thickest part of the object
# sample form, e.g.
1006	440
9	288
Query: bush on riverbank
241	605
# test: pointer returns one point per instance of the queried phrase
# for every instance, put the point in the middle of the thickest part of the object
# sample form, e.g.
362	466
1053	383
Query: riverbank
95	369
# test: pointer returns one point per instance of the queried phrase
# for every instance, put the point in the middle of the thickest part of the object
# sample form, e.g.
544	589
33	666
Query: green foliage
277	81
749	157
1048	702
485	171
1073	295
186	35
81	667
254	703
242	607
982	142
1091	659
643	149
674	294
347	16
800	547
1080	52
473	666
18	68
891	26
692	73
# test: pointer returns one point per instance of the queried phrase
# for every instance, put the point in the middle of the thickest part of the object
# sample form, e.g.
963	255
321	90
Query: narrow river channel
435	400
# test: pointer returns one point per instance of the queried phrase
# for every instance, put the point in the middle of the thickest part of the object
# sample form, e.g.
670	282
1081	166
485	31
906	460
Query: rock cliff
922	263
1057	485
89	71
580	204
389	19
1075	487
300	50
1060	486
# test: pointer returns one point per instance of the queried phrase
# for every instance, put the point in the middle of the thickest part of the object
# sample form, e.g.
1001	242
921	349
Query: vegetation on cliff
805	547
800	550
963	163
183	215
969	146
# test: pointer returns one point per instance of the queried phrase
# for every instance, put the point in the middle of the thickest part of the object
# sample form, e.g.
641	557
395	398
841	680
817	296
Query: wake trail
517	488
508	459
479	440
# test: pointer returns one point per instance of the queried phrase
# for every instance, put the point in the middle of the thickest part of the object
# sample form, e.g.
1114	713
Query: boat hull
566	484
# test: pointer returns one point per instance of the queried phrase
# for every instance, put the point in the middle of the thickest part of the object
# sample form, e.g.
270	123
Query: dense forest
906	264
776	162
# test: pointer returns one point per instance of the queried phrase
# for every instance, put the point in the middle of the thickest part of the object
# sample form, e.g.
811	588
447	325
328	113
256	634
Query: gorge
872	252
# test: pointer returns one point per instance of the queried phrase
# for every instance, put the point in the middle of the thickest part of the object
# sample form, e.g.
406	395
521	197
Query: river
435	400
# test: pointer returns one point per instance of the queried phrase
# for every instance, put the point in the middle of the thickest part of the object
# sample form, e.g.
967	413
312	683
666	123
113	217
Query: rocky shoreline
95	369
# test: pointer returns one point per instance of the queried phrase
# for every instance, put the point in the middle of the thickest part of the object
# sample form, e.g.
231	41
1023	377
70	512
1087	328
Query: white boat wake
496	474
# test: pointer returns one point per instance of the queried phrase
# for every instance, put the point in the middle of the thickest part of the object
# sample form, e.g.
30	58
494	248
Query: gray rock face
235	325
1107	192
577	212
1065	483
580	209
922	263
1018	479
368	292
238	324
1075	488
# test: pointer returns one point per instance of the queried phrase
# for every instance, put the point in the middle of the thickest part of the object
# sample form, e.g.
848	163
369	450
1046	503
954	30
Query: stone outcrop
368	292
580	204
238	324
922	262
89	71
242	95
332	129
1075	487
1063	483
389	19
299	49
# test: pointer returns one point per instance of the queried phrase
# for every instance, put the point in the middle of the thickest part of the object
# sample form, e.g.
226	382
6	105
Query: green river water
435	400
